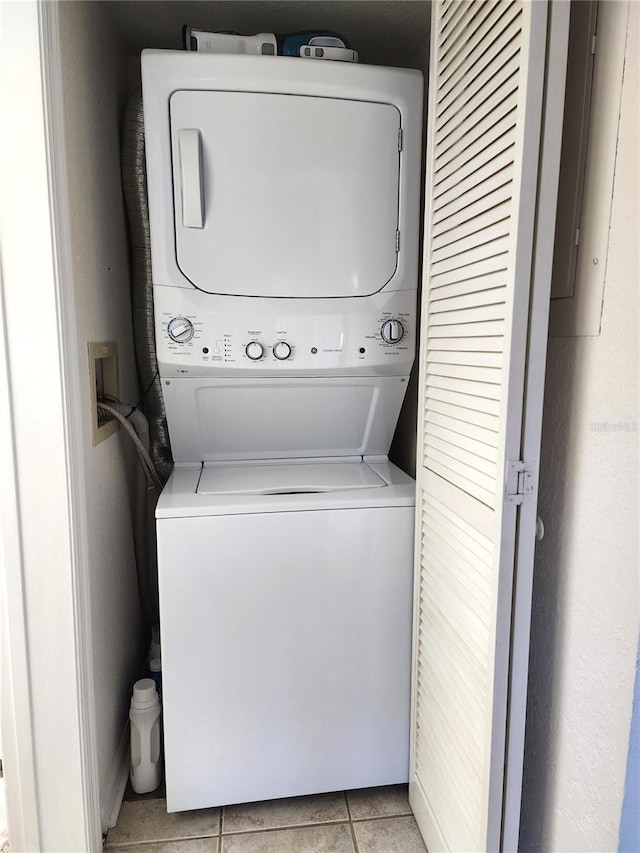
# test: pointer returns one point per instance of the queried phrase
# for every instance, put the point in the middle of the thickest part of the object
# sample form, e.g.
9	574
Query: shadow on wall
555	507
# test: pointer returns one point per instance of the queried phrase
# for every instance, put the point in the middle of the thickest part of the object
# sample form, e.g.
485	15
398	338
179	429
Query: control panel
360	336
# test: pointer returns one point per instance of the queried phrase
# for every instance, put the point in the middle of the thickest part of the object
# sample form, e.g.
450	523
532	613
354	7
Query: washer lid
287	478
285	195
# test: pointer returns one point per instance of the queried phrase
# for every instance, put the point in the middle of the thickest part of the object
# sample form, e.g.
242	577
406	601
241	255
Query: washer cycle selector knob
281	350
392	331
254	350
180	330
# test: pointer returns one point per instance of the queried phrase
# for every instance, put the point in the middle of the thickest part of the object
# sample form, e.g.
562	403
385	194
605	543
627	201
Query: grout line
354	840
346	800
381	817
285	827
220	829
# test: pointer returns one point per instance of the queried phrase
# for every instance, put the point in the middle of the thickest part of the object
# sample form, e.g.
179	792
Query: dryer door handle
191	178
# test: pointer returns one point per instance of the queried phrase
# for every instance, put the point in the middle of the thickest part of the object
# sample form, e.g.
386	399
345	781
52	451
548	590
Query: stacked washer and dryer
284	213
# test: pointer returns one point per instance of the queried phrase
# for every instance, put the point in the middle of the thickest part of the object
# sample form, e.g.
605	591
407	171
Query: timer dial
254	350
392	331
281	350
180	330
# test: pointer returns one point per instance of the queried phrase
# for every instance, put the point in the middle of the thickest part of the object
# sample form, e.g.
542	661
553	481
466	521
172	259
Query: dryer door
285	195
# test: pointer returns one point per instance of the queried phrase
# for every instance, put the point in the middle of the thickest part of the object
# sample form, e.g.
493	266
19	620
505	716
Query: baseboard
111	798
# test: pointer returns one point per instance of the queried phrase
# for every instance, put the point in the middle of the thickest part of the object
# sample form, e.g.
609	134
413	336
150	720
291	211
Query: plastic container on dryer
146	739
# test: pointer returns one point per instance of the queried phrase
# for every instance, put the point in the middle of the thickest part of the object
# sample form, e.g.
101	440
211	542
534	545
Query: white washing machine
283	197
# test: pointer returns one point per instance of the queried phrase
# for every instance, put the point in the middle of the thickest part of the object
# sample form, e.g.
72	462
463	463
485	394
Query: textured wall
585	611
94	82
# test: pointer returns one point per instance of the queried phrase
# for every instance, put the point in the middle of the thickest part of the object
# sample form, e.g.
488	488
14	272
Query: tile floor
374	820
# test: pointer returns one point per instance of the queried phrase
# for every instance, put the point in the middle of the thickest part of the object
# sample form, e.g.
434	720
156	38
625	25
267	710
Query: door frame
535	367
48	700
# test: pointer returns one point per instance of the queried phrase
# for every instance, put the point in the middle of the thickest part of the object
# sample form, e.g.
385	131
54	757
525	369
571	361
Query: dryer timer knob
254	350
281	350
180	330
392	331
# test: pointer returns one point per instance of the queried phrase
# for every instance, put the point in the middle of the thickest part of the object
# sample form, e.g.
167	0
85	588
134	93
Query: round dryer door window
285	195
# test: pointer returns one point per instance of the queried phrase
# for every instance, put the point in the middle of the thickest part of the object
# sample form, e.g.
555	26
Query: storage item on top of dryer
317	44
261	44
312	44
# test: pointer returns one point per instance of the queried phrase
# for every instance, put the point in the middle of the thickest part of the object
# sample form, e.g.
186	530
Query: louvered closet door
486	83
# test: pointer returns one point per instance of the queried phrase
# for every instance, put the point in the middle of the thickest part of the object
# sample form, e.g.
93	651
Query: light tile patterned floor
373	820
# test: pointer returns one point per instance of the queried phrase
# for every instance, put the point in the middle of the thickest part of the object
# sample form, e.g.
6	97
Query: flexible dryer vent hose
134	185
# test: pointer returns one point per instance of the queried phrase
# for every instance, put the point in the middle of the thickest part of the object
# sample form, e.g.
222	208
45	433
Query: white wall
47	739
585	609
94	92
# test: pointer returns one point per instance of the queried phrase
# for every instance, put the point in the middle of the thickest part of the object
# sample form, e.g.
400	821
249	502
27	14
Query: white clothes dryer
283	201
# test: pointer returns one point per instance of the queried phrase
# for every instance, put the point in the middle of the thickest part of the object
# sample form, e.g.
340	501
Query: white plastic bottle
144	714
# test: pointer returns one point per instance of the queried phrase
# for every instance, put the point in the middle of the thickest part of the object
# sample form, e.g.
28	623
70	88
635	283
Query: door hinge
593	45
400	140
520	482
397	241
577	238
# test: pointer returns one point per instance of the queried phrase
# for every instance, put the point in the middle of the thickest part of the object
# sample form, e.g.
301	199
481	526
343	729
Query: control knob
254	350
180	330
392	331
281	350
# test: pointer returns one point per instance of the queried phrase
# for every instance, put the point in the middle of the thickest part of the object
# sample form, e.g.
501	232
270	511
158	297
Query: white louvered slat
480	449
448	800
468	674
500	43
455	28
496	263
478	133
462	652
456	425
466	344
457	405
463	156
477	466
474	220
452	728
495	194
451	189
444	290
456	125
466	746
486	394
491	69
451	473
494	295
450	14
474	358
492	223
473	410
465	260
485	18
473	372
468	541
467	316
456	581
